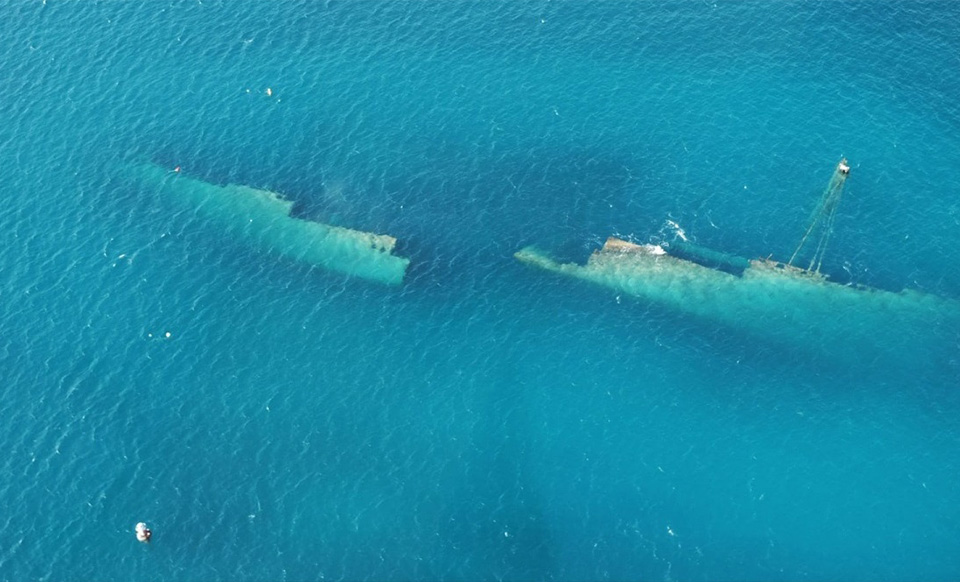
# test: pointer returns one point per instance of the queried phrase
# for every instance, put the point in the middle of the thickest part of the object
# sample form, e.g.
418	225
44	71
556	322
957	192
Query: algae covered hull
263	220
767	298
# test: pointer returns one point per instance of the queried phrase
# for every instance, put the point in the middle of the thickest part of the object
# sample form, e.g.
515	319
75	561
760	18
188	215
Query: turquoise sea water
483	420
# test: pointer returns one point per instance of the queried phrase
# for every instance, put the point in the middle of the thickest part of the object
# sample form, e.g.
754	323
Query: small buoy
166	334
143	532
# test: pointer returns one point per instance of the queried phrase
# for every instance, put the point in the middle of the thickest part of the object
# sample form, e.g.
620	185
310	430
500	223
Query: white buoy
143	532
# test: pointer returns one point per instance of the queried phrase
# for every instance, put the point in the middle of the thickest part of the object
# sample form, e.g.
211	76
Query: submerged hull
263	220
767	299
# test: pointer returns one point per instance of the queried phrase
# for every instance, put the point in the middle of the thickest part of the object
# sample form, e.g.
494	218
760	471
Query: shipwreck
263	220
790	301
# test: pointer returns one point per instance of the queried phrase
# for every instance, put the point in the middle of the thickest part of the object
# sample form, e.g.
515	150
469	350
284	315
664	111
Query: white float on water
143	532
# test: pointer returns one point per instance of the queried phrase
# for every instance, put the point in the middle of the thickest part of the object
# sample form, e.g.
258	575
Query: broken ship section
766	298
262	219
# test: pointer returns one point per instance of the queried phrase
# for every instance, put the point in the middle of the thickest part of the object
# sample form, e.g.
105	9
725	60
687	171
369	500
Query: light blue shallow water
483	420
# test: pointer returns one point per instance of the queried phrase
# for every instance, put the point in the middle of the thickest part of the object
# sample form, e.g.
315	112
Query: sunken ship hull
776	301
263	220
767	299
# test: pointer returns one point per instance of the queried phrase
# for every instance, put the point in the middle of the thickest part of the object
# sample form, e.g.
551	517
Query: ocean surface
271	420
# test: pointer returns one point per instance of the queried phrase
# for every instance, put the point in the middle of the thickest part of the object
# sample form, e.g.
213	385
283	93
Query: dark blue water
483	420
